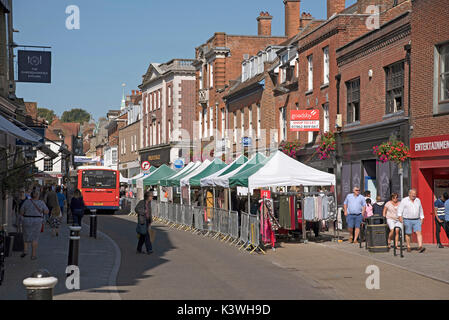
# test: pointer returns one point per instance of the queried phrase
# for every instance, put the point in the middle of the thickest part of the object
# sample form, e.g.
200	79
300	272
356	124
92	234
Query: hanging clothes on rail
293	214
309	209
284	213
268	223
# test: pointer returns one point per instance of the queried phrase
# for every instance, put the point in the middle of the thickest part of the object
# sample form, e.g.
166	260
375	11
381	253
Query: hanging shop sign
429	146
34	66
247	141
156	157
305	120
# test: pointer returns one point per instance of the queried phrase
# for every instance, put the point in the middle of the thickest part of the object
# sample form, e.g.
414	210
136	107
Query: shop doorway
370	177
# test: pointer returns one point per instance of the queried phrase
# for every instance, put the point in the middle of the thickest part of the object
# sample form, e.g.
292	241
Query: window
326	124
170	97
159	94
153	101
169	130
258	120
114	156
159	129
205	122
326	65
223	123
235	127
146	103
147	141
99	179
283	74
443	76
154	133
48	164
310	70
211	122
200	125
394	75
124	146
283	123
310	137
250	122
211	70
242	122
200	78
353	98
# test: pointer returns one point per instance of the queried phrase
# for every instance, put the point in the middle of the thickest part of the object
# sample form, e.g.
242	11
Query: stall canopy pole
180	192
229	200
190	197
213	189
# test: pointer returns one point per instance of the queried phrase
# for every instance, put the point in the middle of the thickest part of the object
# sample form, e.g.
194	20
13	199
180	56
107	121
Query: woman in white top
391	213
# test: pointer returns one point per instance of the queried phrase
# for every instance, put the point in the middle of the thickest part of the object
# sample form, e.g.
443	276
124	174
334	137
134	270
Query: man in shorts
355	206
411	214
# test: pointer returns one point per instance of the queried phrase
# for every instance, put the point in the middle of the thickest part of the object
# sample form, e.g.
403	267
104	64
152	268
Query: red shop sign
430	146
305	120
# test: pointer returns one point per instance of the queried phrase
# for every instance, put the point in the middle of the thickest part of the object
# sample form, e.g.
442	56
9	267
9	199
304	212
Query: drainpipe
408	49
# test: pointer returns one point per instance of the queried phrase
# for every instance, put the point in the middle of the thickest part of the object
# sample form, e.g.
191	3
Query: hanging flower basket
327	145
394	151
290	148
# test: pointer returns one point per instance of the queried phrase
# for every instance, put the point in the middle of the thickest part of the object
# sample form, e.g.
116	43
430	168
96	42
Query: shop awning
282	170
9	128
123	179
162	172
223	180
237	163
185	180
166	182
215	166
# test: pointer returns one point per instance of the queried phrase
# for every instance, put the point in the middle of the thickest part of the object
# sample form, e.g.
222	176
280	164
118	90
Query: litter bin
377	234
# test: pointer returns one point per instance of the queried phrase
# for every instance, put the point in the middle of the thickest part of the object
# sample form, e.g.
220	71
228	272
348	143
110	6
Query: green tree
76	115
47	114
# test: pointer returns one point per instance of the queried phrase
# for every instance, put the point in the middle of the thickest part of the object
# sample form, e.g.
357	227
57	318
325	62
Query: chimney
335	6
306	18
133	92
292	8
264	24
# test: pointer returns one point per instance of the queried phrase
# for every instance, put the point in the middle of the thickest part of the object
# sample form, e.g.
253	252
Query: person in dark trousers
439	218
77	207
144	216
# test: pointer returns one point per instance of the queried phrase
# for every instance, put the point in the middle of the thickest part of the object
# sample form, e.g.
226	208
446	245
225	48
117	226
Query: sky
118	39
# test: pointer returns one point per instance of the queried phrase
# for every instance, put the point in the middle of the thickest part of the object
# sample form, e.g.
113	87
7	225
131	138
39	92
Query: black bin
377	234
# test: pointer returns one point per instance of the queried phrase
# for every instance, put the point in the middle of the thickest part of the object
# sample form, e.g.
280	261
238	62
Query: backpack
378	210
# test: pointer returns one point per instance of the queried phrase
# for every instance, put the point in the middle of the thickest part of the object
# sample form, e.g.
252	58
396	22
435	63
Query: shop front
430	177
156	156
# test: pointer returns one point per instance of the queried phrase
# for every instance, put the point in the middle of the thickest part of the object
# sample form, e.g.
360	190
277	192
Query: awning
9	128
185	180
123	179
165	182
215	166
141	175
160	173
237	163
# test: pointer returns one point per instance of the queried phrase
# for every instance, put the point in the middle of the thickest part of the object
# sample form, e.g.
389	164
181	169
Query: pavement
98	262
185	266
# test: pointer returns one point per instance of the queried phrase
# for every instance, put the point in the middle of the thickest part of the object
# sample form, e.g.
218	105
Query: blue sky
118	39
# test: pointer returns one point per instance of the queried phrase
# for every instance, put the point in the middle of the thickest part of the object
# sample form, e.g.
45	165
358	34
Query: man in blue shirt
355	206
61	199
439	213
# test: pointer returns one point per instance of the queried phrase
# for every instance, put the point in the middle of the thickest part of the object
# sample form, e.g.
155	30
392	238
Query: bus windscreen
99	179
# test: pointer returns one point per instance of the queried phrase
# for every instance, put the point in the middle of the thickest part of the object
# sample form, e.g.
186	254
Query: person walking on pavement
144	220
33	211
391	213
77	207
55	211
61	199
411	214
446	214
354	206
440	221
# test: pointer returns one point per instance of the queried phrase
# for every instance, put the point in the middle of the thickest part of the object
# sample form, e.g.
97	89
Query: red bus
100	187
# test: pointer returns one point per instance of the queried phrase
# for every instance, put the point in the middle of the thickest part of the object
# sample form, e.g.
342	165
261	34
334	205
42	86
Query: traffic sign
179	163
146	165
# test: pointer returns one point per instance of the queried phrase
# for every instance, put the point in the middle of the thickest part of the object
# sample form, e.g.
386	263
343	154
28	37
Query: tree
47	114
76	115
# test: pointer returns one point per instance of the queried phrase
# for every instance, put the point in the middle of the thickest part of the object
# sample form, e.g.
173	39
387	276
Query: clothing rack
302	196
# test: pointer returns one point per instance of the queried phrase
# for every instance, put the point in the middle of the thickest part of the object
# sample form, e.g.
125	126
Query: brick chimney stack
306	18
335	6
292	8
264	24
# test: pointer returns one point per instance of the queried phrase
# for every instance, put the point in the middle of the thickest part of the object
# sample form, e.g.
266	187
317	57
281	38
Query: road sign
146	165
246	141
305	120
179	163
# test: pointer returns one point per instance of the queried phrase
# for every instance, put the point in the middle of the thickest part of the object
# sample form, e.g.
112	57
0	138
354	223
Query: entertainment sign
305	120
430	146
34	66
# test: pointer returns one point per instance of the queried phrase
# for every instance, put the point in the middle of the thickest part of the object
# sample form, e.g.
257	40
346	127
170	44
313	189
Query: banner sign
429	146
305	120
82	159
34	66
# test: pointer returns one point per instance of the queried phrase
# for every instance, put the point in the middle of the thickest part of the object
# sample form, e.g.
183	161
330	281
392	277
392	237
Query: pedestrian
367	195
144	221
354	206
77	207
54	217
61	199
411	214
32	212
446	213
369	208
440	220
391	213
378	207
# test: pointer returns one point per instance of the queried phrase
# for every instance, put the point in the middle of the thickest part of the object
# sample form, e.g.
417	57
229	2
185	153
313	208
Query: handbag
142	229
152	234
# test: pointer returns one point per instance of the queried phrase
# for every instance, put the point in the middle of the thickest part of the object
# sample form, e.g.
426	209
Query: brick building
218	63
167	112
373	103
129	136
430	105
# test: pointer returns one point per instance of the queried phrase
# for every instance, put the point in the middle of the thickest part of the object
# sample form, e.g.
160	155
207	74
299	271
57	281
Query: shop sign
265	194
305	120
34	66
156	157
430	146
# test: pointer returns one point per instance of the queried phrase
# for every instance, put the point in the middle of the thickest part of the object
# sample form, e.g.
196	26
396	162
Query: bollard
93	224
40	285
74	245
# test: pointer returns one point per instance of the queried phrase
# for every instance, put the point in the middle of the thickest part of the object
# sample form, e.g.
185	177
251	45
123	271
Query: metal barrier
133	204
188	217
234	226
223	227
178	214
244	230
171	213
254	232
199	219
